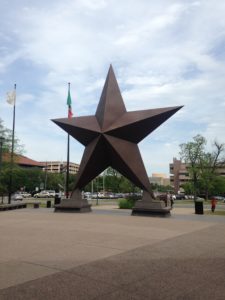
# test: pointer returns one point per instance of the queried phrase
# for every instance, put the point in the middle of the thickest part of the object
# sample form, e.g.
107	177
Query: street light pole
97	190
1	146
103	183
12	149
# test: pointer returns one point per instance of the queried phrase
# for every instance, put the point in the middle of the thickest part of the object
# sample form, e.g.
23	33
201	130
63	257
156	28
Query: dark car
180	197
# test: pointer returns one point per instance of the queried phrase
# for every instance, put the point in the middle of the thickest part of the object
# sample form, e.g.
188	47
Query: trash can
48	204
57	199
36	205
199	207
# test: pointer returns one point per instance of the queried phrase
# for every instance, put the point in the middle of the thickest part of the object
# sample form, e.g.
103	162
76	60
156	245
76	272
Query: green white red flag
69	102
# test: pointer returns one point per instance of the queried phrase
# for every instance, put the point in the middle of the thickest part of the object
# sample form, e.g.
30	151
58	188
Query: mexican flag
69	102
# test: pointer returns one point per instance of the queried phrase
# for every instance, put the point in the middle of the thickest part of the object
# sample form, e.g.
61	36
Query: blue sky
164	53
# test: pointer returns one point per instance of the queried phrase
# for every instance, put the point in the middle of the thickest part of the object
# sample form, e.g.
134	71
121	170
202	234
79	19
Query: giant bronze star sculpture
110	138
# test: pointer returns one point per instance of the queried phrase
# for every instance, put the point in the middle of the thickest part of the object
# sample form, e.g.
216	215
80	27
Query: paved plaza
108	254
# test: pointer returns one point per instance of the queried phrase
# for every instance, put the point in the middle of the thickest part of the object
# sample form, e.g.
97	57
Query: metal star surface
111	136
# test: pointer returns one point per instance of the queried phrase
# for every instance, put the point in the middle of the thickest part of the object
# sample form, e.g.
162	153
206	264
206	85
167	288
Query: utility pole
1	146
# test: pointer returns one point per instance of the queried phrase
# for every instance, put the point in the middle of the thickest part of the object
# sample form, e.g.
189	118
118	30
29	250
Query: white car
51	193
17	196
25	194
42	194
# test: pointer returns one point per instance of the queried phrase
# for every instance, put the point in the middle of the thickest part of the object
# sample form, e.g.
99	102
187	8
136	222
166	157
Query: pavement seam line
40	265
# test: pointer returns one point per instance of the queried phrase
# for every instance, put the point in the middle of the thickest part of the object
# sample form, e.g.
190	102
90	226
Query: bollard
57	199
48	204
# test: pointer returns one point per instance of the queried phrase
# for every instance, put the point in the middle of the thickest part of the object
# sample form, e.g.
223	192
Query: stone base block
66	207
147	208
75	204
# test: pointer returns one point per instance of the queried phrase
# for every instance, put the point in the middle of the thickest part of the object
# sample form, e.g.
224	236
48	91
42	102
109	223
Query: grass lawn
216	212
191	201
42	202
184	201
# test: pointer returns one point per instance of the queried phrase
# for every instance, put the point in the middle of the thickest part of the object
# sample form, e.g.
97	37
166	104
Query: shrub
125	204
129	201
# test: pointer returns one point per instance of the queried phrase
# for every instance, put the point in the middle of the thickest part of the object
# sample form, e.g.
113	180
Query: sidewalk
46	255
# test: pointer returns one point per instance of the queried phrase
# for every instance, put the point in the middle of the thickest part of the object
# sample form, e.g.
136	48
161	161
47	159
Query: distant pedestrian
168	199
172	201
213	204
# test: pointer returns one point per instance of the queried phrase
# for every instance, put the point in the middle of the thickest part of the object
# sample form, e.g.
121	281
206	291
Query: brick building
179	174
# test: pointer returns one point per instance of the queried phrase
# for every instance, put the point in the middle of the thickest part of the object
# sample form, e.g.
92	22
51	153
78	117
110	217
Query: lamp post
1	146
97	190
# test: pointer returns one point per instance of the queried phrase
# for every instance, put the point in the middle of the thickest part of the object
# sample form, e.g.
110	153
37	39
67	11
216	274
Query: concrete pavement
109	254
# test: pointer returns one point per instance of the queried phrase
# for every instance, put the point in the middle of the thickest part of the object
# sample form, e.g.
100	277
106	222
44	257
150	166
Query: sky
164	53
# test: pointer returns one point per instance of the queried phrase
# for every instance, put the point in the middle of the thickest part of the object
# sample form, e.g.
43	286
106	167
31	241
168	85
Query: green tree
209	164
7	135
192	153
113	180
72	180
7	168
161	188
188	188
31	178
27	179
219	186
202	165
118	183
126	186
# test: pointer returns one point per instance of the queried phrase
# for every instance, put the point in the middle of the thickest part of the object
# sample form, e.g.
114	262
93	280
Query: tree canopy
202	165
7	135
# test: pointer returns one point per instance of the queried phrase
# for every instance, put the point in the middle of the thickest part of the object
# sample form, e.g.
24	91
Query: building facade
50	166
179	174
60	167
160	179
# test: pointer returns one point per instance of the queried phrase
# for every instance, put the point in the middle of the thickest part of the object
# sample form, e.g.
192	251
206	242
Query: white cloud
164	53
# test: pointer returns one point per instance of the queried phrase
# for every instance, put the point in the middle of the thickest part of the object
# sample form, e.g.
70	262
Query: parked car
51	193
17	196
42	194
87	195
94	195
189	197
219	198
25	194
180	197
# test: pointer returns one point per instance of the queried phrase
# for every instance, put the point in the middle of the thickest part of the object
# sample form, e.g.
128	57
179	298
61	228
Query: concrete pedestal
148	206
75	204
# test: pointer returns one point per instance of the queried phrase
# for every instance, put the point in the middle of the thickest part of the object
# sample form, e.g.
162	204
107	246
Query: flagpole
68	167
12	150
68	157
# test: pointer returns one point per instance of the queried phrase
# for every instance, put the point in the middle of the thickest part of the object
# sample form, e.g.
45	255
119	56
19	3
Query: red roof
23	160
